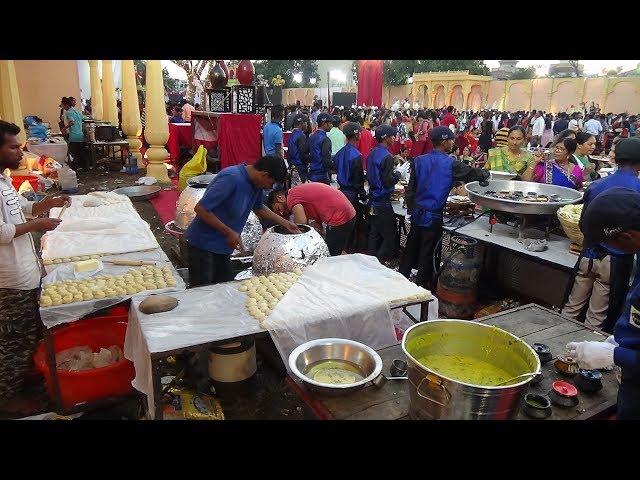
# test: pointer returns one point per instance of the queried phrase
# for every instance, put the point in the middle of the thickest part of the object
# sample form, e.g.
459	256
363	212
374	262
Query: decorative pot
224	66
245	72
281	251
217	76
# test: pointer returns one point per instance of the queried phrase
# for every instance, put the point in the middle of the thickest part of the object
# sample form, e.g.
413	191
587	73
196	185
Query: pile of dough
136	280
422	296
50	261
264	292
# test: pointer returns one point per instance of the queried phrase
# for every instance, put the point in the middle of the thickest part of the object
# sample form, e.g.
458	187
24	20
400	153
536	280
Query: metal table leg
157	388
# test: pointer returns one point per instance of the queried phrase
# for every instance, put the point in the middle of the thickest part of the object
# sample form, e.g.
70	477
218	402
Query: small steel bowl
589	380
543	351
537	406
367	360
566	365
398	368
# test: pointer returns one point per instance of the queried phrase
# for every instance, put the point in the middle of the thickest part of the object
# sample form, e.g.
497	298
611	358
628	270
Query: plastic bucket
88	385
19	179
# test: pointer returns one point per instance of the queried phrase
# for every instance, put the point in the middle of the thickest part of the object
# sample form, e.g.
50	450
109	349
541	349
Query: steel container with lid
434	396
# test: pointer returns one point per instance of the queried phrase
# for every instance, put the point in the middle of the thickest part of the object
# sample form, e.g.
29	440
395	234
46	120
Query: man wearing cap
348	162
298	154
272	133
316	204
602	275
382	180
432	178
320	150
613	219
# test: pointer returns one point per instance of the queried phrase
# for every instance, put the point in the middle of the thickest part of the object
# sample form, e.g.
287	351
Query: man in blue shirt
383	234
298	154
222	213
272	133
320	150
602	276
613	219
432	178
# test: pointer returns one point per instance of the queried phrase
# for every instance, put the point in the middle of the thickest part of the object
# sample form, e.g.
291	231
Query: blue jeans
207	268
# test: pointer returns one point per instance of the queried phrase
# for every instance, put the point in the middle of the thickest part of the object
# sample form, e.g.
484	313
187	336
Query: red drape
179	136
370	82
239	139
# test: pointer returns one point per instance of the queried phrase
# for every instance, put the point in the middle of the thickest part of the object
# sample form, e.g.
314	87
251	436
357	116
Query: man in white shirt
575	123
416	105
592	126
396	106
20	270
538	129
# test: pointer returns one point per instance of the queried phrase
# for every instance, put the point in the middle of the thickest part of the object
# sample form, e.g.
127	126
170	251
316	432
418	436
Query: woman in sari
586	144
513	158
560	171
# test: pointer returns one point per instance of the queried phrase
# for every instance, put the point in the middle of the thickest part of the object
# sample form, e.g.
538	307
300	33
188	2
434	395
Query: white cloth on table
90	236
204	314
57	151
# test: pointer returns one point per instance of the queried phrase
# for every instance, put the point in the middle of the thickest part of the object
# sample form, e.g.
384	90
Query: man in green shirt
76	135
338	139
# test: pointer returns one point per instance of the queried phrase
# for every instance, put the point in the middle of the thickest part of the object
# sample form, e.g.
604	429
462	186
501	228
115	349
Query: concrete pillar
10	109
96	91
156	129
109	108
131	124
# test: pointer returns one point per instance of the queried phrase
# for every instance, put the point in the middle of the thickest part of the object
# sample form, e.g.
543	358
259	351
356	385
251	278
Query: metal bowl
498	175
367	360
476	195
139	192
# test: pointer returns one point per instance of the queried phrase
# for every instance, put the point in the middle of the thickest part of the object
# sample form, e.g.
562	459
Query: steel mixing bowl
309	353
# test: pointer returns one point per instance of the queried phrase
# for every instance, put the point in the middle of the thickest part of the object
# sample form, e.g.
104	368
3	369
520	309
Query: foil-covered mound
281	251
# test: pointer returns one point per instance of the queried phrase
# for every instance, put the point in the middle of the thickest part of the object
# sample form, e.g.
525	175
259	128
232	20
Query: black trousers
360	224
383	236
337	237
76	150
421	244
621	268
628	400
207	268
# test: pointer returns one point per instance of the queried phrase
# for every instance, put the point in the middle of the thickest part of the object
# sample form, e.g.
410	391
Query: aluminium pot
281	251
434	396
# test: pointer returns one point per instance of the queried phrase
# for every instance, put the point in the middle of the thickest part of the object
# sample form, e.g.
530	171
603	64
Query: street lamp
312	81
297	78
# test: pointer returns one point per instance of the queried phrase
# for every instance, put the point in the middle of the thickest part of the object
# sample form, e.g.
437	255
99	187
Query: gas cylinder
457	289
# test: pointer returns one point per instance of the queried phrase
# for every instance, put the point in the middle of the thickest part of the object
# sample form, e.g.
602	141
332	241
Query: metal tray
522	208
139	192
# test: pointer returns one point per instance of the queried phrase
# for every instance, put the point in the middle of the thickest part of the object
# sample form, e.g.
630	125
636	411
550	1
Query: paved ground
265	397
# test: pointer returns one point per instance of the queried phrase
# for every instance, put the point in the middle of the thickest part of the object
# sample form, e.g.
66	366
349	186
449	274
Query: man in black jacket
561	123
432	177
298	153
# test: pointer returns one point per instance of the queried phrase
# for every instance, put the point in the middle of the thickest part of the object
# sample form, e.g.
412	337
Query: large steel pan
476	195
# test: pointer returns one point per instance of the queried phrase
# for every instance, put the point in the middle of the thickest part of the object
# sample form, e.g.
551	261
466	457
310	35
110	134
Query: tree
577	68
523	73
194	70
287	69
397	72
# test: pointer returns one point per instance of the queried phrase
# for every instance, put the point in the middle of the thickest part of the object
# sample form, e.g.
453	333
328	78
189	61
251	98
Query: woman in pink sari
560	171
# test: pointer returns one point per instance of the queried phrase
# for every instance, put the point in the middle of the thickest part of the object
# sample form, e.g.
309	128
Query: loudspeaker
262	98
343	99
275	95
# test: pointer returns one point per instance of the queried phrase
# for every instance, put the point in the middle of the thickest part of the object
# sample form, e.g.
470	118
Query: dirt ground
265	396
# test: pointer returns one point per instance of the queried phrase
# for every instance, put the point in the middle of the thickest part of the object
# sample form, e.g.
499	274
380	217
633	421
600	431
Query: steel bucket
437	397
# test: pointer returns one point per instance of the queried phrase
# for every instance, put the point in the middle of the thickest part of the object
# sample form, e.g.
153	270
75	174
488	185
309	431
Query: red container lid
564	388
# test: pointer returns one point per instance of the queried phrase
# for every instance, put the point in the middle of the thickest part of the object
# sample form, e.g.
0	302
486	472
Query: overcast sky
590	66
